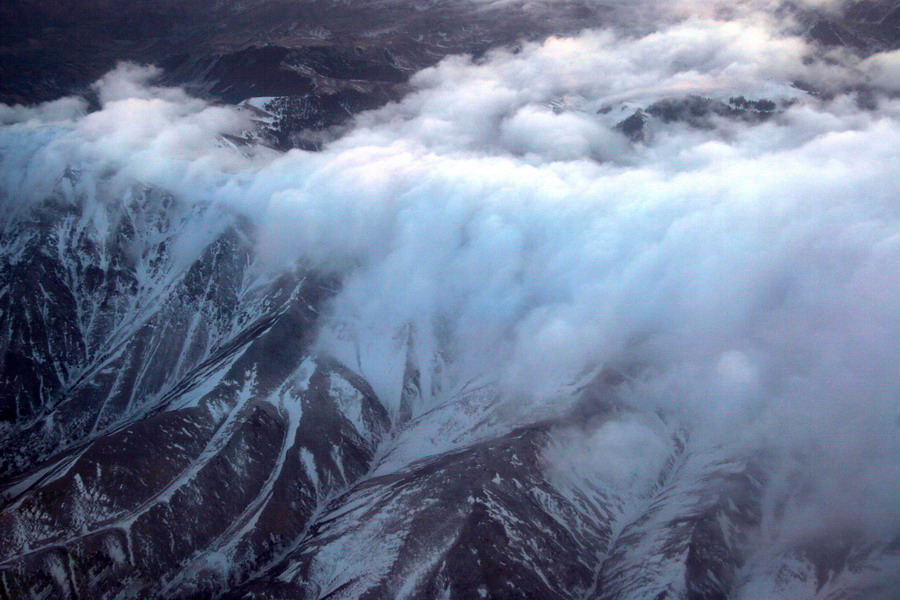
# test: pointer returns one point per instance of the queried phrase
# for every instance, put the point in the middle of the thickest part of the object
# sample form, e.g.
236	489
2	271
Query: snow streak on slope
392	339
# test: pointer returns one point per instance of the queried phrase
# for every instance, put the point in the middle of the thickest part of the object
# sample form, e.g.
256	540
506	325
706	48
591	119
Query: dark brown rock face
159	408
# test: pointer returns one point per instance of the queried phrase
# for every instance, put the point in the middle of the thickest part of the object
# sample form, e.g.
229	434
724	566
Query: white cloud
64	109
883	69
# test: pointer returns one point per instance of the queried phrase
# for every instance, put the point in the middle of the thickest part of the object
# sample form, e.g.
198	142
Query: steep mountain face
155	376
